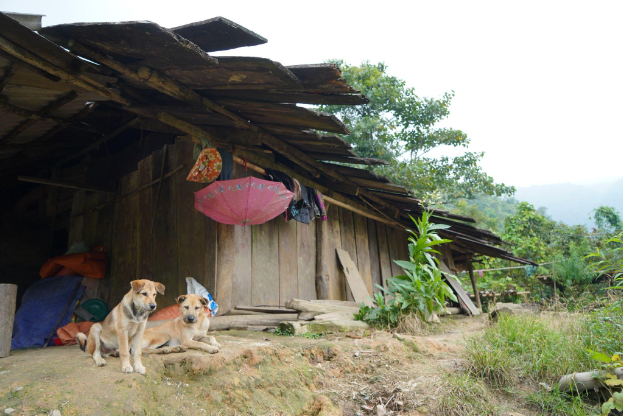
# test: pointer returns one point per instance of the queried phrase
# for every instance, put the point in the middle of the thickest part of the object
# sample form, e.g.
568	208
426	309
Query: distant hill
573	204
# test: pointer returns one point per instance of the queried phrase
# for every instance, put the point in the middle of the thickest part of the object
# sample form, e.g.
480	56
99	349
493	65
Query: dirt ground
253	373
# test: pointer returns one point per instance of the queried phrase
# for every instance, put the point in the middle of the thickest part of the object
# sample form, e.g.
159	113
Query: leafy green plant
611	380
422	290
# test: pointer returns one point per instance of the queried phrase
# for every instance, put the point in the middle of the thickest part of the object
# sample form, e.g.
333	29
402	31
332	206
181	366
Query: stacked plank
298	317
322	316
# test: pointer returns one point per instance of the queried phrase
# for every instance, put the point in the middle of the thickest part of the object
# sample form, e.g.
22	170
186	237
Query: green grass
464	395
529	346
535	351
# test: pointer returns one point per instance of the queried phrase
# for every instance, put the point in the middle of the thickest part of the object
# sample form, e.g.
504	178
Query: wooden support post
64	184
473	280
8	298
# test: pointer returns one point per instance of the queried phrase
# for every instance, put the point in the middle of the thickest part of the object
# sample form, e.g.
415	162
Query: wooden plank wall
265	264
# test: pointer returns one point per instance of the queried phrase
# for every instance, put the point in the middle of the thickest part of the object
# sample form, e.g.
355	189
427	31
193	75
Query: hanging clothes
279	176
227	165
321	205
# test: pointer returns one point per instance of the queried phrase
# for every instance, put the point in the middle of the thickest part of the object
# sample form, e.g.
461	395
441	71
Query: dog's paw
182	348
212	350
127	369
99	361
139	368
214	342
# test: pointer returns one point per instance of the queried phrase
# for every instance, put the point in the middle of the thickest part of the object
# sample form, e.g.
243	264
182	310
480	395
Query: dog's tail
81	338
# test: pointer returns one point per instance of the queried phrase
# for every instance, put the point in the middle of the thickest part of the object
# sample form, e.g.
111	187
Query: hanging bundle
208	165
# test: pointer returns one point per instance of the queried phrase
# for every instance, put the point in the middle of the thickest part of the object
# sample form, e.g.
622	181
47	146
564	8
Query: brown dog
123	326
186	331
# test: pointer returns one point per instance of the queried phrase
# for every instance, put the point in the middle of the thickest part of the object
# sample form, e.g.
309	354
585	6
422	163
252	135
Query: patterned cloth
207	168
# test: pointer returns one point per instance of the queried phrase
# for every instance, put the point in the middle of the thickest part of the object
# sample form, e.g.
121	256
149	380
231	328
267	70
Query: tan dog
186	331
123	328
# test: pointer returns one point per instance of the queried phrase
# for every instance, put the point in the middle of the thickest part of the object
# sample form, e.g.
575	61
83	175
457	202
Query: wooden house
97	127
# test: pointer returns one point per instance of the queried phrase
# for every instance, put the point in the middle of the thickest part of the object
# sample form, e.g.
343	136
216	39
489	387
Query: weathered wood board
123	258
190	222
288	259
373	250
146	212
347	238
164	233
384	255
333	241
363	254
393	249
463	297
354	281
306	261
265	270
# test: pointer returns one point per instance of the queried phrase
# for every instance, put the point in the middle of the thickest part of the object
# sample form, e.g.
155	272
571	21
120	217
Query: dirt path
255	373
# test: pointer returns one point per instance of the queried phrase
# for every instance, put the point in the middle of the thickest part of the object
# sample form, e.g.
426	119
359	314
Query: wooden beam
29	67
37	115
80	80
9	108
8	73
100	141
169	86
65	184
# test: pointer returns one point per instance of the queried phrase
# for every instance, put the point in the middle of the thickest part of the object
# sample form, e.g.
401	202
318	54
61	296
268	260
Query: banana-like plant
422	290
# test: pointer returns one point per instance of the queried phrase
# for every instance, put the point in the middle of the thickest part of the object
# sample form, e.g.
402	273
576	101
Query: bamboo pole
64	184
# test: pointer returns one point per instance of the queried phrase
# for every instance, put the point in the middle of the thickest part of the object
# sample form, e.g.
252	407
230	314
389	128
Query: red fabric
89	264
171	312
67	333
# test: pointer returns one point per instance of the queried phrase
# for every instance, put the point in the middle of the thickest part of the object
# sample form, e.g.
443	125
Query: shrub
422	290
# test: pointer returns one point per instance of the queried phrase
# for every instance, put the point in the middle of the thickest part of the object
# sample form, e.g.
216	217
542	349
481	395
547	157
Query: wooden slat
218	34
242	292
89	233
384	255
347	238
306	240
355	284
123	267
336	282
164	249
463	297
209	280
393	249
373	250
146	211
346	159
76	223
190	222
288	260
225	267
265	267
363	254
105	221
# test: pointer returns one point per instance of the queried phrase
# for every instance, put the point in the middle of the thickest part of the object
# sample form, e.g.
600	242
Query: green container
97	308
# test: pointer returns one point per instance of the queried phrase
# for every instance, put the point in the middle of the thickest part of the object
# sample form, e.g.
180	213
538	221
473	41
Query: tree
608	220
402	128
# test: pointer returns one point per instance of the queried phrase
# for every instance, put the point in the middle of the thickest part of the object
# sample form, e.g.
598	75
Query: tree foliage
403	128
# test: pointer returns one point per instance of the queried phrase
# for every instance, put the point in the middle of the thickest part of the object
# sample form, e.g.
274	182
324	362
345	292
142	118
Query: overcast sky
539	85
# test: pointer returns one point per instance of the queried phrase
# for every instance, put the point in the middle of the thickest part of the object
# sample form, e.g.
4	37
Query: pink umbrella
243	201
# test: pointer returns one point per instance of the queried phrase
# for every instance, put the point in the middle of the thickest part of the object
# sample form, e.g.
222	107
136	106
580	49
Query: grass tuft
465	395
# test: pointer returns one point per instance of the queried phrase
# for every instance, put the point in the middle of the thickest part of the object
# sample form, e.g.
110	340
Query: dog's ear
160	288
203	301
181	298
137	285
